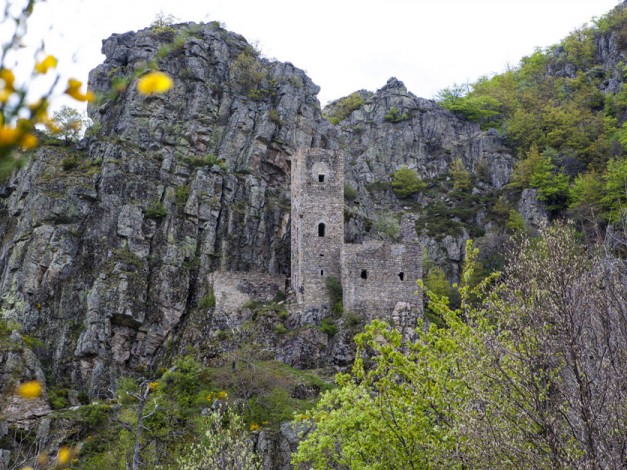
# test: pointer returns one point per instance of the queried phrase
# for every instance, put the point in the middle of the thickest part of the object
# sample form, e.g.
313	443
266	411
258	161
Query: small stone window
401	276
322	272
364	274
321	178
321	228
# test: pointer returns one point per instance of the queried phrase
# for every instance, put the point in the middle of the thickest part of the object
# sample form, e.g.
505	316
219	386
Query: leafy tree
615	190
224	443
68	124
406	182
475	108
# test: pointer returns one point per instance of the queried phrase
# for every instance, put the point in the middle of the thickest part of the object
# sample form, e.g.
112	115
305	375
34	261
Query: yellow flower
26	468
153	385
49	62
222	395
74	90
64	455
8	136
30	390
154	83
5	94
210	397
28	141
254	426
7	76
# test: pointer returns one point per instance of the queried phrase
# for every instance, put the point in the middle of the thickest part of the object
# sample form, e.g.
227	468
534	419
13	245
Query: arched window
364	274
401	276
321	228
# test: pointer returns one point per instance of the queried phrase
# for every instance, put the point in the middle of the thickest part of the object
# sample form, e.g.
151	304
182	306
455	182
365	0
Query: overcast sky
344	45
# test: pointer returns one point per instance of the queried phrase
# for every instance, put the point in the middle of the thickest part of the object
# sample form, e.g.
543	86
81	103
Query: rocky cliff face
108	247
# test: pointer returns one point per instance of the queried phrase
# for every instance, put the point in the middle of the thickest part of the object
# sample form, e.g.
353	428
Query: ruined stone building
375	275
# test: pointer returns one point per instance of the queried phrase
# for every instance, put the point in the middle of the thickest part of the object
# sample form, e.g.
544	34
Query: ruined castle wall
376	276
317	226
232	290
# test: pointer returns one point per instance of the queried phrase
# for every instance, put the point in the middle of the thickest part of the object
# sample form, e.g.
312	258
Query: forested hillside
563	112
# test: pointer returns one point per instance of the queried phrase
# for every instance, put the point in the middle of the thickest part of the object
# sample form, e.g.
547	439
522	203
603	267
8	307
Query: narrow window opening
321	254
401	276
322	272
321	230
364	274
321	178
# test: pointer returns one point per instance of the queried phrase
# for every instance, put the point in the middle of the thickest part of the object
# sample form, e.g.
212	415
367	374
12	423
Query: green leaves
405	182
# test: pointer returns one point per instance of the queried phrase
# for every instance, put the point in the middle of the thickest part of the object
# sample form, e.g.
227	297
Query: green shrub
156	211
335	293
343	107
394	115
208	160
70	162
57	397
406	182
328	327
460	176
352	319
208	301
181	195
280	329
350	193
387	225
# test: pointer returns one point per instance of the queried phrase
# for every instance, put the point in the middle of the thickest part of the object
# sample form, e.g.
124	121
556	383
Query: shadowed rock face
107	247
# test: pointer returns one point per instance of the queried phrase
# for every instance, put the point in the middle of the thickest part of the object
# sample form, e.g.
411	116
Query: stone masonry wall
317	229
376	276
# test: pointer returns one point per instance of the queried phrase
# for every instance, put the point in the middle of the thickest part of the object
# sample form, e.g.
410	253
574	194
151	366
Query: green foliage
615	190
386	225
208	301
350	193
67	124
248	73
181	195
406	182
328	327
208	160
334	291
163	22
394	115
280	329
343	107
553	99
70	162
57	397
538	171
515	222
224	443
460	176
156	211
481	109
436	283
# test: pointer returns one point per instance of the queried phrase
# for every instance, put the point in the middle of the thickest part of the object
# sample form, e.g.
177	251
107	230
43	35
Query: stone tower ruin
317	179
375	276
